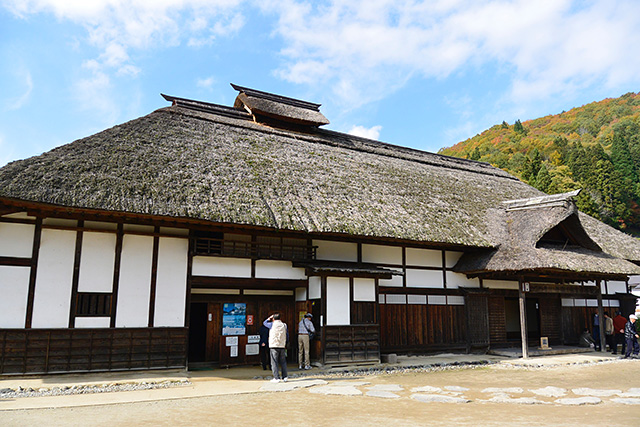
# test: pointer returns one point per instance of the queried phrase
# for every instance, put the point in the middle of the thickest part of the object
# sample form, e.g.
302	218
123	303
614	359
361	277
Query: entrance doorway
512	315
209	347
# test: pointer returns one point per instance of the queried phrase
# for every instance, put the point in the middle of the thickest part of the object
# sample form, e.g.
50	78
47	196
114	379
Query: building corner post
523	319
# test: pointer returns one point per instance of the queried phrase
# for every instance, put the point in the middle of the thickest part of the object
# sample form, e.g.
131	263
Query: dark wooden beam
15	261
116	275
32	277
76	277
154	278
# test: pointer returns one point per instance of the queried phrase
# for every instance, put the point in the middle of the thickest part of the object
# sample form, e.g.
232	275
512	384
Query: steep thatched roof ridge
207	163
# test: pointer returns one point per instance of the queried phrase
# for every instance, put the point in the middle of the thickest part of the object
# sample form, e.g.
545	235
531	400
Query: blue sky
420	74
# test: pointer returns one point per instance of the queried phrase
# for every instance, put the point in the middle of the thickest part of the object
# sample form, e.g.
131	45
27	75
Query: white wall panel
16	240
267	269
336	251
455	300
135	281
437	299
424	257
458	280
221	267
93	322
395	281
592	303
364	290
395	299
301	294
424	278
616	286
96	262
417	299
580	302
614	303
567	302
171	282
338	302
54	279
451	258
500	284
315	287
14	290
378	254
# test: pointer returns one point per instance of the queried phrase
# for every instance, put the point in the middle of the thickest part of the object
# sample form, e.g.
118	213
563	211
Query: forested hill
595	147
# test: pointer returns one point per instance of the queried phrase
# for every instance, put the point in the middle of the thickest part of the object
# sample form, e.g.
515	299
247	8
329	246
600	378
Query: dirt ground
301	407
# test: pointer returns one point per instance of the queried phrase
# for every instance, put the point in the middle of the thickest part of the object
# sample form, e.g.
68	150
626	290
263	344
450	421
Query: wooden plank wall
42	351
574	320
497	321
550	319
354	343
421	327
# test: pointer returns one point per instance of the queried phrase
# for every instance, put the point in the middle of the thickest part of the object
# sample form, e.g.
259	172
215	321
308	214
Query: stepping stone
455	388
342	390
383	394
386	387
438	398
350	383
626	401
595	392
426	389
496	390
589	400
550	391
291	385
505	398
632	392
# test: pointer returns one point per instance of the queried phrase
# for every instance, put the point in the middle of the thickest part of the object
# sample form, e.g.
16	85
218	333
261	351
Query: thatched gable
542	234
213	163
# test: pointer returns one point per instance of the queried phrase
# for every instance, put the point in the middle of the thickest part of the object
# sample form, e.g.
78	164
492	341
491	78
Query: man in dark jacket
618	328
631	336
264	348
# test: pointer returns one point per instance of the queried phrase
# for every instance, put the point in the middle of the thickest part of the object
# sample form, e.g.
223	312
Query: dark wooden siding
477	311
421	327
497	321
355	343
574	320
550	319
37	351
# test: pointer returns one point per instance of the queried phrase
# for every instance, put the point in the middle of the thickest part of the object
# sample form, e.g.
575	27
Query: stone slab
382	394
587	400
345	390
438	398
550	391
585	391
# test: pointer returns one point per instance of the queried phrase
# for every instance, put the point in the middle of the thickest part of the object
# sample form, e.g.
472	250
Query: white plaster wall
451	258
54	278
301	294
14	288
424	278
378	254
424	257
221	267
364	290
614	303
174	231
592	303
417	299
455	300
60	221
395	299
268	269
616	286
315	288
171	282
135	281
338	303
93	322
580	302
138	228
96	262
336	251
437	299
16	240
395	281
458	280
101	225
500	284
567	302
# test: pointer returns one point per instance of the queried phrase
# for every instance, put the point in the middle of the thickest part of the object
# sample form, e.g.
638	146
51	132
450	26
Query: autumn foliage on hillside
595	147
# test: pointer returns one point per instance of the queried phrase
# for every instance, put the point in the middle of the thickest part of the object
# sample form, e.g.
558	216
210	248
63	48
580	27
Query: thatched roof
543	234
209	162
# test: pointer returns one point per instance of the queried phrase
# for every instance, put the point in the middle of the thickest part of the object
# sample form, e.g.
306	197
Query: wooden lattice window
93	304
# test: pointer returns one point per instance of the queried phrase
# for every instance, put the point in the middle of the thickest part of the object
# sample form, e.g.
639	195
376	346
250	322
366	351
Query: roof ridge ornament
545	201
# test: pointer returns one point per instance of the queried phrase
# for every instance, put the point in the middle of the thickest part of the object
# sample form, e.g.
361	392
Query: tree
543	179
517	126
505	125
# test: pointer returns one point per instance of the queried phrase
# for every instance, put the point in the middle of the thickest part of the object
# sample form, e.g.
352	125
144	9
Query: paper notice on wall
253	339
231	341
252	349
234	350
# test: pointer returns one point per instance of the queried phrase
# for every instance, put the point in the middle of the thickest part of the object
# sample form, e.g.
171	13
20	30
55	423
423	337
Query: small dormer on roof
272	109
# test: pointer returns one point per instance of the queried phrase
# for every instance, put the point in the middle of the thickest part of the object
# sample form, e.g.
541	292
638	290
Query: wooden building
165	241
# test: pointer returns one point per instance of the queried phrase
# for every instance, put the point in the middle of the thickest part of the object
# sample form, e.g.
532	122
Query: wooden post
523	319
601	317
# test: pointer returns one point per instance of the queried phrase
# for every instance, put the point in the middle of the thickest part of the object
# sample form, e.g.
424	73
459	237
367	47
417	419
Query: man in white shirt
305	330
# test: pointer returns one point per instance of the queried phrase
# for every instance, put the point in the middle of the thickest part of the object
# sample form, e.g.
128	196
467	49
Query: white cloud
366	49
21	101
370	133
206	83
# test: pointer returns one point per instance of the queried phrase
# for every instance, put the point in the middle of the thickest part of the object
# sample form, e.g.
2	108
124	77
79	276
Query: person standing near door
265	356
278	337
305	331
618	327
